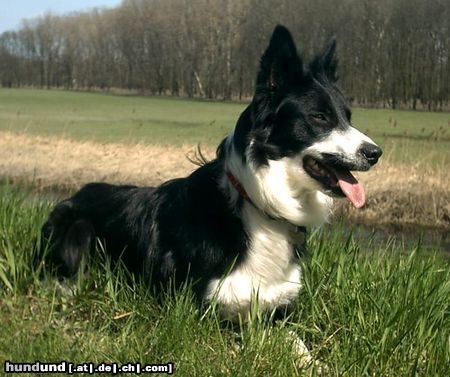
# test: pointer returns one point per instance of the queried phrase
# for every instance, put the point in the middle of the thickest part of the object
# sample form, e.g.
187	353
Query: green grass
406	136
112	118
366	310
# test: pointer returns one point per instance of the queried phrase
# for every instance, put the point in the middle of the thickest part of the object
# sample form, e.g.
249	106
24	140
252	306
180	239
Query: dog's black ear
280	63
326	63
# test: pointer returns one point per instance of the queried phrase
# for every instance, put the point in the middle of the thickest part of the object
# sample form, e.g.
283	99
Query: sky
13	11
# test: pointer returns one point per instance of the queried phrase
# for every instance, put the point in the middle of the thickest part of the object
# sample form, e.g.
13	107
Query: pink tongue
352	189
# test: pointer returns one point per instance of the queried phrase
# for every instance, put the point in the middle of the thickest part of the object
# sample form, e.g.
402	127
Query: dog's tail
65	237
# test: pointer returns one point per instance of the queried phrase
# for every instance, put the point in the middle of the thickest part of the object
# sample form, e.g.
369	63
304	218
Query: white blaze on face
345	143
346	146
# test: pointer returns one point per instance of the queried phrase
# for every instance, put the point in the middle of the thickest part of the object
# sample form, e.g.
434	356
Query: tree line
393	53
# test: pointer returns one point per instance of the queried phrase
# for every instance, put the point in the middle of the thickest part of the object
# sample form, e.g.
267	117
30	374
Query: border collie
235	227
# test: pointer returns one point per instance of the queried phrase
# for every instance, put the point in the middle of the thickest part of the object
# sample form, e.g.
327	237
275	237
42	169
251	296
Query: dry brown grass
58	162
403	195
397	194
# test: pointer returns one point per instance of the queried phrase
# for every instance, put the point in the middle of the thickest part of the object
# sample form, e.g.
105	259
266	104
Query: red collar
238	186
297	236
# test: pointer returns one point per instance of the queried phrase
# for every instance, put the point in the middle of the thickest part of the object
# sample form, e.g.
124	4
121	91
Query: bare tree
392	54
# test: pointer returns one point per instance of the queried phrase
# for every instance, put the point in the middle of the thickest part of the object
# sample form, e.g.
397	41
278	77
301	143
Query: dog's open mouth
339	181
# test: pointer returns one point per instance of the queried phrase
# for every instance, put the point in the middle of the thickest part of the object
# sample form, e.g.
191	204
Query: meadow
365	310
406	136
368	307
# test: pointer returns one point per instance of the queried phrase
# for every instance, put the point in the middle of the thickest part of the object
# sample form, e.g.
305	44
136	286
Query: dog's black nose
371	152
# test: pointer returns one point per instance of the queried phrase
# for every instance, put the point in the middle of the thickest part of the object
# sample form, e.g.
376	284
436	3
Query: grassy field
369	307
406	136
111	118
383	313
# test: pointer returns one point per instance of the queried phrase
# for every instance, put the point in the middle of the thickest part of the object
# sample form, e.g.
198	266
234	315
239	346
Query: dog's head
297	131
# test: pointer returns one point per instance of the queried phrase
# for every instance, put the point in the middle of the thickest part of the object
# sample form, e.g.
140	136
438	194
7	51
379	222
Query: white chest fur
269	274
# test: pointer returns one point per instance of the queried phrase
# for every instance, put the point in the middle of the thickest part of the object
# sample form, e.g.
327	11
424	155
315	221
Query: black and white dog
233	226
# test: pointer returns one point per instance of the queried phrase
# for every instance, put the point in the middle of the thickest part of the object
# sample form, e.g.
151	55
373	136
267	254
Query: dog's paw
304	359
300	351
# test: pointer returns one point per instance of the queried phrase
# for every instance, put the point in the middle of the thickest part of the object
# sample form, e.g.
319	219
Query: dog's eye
319	117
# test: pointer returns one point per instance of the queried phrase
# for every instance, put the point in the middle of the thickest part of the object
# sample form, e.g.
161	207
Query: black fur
183	228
